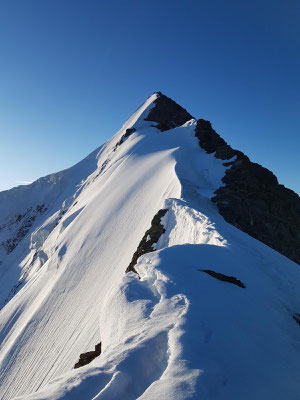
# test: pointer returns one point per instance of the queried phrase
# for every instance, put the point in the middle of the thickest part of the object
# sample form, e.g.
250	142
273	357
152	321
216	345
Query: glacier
179	327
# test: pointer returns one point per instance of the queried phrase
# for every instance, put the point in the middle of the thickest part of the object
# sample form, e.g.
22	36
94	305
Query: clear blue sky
72	71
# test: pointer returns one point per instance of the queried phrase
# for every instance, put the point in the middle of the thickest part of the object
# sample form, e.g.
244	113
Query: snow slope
173	331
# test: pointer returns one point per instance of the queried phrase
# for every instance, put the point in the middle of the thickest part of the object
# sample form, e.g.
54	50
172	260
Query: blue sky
72	72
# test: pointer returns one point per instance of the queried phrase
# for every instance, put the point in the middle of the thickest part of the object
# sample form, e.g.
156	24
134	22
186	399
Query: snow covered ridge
204	312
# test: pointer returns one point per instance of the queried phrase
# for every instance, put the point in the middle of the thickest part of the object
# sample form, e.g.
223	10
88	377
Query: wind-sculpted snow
141	344
184	224
181	334
170	331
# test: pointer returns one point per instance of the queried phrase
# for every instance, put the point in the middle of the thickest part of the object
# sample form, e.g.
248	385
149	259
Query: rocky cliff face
252	199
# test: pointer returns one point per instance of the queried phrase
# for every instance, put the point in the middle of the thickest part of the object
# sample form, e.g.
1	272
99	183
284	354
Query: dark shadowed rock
24	223
252	199
86	358
167	113
224	278
296	317
151	236
128	132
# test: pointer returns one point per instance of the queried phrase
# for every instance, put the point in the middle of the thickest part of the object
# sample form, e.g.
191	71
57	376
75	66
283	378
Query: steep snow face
180	329
58	275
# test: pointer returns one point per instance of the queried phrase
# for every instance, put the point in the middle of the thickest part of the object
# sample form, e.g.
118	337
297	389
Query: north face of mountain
252	199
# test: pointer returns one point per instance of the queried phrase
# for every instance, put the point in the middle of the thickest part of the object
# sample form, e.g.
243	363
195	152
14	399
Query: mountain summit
163	265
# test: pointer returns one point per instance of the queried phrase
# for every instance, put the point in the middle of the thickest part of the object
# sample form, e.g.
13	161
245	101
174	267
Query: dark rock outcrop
224	278
296	317
149	239
252	199
86	358
23	224
167	113
127	133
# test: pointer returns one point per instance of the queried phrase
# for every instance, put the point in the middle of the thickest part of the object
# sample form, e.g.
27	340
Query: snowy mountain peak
160	109
136	274
167	113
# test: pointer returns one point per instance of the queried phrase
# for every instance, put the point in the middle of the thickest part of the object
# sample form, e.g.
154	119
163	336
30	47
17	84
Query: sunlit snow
170	332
